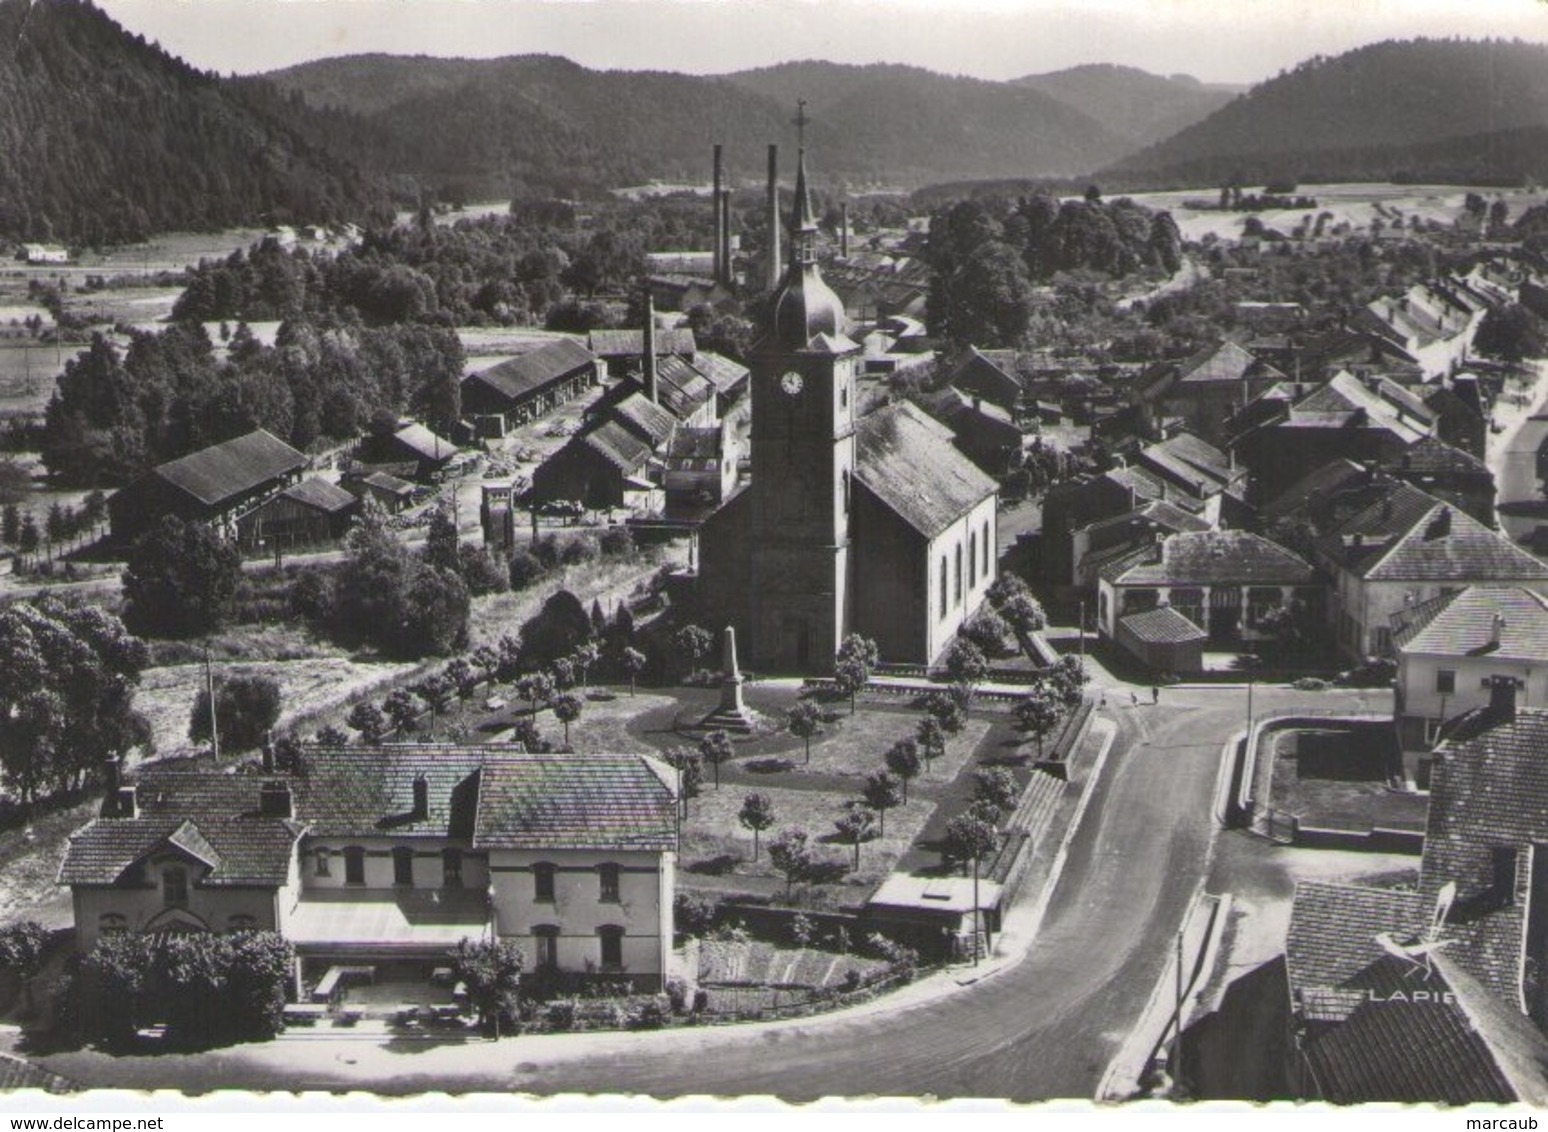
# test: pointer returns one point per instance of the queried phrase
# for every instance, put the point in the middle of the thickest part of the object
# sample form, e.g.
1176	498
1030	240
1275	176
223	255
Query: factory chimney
720	231
648	353
771	257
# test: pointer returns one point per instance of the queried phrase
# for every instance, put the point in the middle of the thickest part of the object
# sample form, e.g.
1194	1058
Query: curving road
1046	1027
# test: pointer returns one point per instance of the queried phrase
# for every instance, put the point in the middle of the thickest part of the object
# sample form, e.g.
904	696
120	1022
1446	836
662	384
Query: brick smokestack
648	352
772	268
720	231
725	237
1502	698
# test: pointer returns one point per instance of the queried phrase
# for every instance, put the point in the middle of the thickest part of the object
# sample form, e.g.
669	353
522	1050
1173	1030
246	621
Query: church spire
803	219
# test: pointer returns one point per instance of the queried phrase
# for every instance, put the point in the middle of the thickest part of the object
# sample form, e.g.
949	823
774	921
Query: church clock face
791	383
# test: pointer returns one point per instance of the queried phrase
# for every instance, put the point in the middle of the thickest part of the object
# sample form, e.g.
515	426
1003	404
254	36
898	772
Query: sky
1233	41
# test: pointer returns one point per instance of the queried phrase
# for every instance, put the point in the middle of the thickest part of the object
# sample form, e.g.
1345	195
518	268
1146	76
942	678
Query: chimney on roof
772	270
268	752
274	800
720	232
1496	627
121	802
421	798
112	775
1440	526
1502	698
648	376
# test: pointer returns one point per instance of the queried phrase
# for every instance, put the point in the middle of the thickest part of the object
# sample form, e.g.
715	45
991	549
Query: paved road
1046	1027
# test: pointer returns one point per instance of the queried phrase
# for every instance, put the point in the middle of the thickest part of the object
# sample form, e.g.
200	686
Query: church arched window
972	559
846	491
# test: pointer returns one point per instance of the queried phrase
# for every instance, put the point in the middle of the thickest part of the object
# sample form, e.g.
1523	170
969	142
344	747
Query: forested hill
543	121
1421	108
1135	105
106	138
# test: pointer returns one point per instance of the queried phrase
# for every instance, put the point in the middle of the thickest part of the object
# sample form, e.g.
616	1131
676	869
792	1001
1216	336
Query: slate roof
951	405
631	343
1209	558
1162	626
419	439
1397	1050
1225	362
721	372
386	481
489	796
1430	454
218	473
680	387
617	445
1445	544
1346	402
1462	624
213	818
646	419
574	802
1157	513
1331	477
528	373
908	462
321	494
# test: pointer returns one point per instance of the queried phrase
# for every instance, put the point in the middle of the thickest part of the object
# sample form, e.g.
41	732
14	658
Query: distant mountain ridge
1137	106
1402	107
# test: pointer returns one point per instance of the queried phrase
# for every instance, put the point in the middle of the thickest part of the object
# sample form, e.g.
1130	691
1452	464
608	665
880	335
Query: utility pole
975	910
1176	1058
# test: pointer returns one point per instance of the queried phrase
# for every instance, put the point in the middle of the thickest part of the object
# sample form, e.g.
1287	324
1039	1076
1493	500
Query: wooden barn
312	513
528	386
214	485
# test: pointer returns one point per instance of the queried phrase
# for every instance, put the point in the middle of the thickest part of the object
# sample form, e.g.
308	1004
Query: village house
214	486
37	254
982	430
309	514
531	385
1222	582
1432	995
1204	390
992	376
390	492
1404	548
876	525
1450	649
1293	429
385	857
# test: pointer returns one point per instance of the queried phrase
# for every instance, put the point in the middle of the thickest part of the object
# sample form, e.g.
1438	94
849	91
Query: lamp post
1082	630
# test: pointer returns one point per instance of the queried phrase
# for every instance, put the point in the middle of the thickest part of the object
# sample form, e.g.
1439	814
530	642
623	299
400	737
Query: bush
677	995
694	913
579	550
989	632
525	569
651	1015
480	572
312	597
616	542
561	1014
21	948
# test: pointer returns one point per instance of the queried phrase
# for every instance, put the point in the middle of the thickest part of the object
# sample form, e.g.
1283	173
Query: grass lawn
715	844
29	865
856	745
764	964
1340	774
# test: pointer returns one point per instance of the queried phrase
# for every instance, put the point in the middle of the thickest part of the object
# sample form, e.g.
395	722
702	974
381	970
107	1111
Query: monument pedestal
732	714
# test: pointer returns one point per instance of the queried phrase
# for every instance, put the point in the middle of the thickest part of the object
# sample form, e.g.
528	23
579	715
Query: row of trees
114	415
62	525
68	675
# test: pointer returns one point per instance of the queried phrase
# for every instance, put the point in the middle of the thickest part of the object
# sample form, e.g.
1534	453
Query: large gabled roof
321	494
619	802
1195	558
1225	361
212	818
1445	544
908	462
232	468
426	444
631	343
527	373
1463	623
648	420
617	445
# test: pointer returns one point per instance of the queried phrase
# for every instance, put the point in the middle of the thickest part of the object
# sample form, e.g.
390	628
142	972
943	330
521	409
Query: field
1354	204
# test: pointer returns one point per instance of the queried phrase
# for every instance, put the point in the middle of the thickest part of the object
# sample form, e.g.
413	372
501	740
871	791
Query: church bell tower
803	462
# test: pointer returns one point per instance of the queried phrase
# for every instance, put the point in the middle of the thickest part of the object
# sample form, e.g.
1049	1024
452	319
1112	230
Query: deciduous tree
757	815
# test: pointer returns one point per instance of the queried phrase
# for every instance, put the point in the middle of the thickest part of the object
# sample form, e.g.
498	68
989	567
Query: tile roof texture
1445	544
216	474
617	445
1333	928
908	462
1209	558
1226	361
631	343
488	796
528	373
646	419
419	439
1463	624
320	494
1162	626
214	818
721	372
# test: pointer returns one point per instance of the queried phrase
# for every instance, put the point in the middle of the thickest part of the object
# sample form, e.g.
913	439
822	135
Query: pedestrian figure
1103	704
1133	698
1155	695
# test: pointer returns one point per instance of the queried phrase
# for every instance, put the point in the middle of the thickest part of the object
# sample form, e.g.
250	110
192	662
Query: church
870	524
